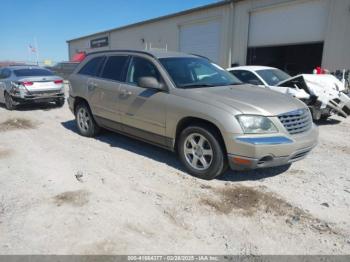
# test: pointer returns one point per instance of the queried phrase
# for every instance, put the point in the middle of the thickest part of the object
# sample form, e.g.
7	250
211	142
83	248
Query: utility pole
36	50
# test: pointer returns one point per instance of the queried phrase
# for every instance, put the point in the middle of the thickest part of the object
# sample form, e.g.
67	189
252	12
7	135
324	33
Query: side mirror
149	82
254	82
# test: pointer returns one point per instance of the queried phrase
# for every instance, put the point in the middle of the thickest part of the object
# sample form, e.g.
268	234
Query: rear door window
93	67
114	68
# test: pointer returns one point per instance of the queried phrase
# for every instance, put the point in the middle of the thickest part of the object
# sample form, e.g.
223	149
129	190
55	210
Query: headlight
256	124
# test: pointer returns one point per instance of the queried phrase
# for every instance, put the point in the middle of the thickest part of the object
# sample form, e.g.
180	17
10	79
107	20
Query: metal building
294	35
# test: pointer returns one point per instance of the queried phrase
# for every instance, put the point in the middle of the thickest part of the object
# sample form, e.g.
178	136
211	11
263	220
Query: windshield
273	76
32	72
192	72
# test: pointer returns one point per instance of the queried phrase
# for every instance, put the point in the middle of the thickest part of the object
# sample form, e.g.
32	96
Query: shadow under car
169	158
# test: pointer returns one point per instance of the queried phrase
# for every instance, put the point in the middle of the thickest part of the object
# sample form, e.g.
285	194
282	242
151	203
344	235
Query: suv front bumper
253	152
71	101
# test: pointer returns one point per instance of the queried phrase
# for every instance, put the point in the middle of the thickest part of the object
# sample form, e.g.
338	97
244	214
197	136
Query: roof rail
113	51
202	56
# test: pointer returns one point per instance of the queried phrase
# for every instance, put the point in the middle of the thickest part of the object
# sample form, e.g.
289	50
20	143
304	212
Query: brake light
58	82
27	83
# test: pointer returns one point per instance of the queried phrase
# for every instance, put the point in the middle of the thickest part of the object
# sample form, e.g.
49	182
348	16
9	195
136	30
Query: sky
53	22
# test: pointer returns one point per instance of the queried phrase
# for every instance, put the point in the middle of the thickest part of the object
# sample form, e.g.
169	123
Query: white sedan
269	77
322	93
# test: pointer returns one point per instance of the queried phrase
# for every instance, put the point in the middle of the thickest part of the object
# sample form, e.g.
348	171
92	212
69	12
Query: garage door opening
294	59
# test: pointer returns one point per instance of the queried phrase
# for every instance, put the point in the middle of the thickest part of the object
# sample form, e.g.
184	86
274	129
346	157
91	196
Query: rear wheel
9	102
201	152
85	121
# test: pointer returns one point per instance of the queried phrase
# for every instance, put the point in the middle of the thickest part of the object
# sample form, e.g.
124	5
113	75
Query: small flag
32	49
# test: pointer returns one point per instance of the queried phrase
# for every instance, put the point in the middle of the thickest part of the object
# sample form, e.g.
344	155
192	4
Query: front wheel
201	152
9	102
85	121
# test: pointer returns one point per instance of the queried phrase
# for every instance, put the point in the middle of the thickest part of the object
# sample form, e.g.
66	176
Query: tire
324	117
85	121
196	143
9	102
316	114
60	102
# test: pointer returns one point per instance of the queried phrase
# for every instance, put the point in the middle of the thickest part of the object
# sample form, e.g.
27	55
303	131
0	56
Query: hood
246	99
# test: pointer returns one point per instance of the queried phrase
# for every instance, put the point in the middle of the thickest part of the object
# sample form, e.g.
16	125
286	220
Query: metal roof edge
221	3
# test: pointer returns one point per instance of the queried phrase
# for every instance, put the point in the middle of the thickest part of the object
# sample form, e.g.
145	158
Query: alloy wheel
84	120
198	151
8	102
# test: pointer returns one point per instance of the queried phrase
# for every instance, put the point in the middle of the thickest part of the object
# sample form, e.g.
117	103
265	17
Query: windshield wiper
195	85
233	84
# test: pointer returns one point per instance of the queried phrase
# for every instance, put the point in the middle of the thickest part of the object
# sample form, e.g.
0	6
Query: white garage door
289	24
202	39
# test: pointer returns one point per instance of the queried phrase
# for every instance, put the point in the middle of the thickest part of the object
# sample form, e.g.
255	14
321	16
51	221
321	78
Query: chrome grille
296	122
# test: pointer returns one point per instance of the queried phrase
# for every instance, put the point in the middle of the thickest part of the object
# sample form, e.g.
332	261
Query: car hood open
316	84
326	88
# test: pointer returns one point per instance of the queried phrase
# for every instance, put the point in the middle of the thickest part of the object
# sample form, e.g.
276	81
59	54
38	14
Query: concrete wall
161	34
83	44
336	53
234	20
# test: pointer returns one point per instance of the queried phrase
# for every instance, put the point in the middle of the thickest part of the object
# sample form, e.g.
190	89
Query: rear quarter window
92	67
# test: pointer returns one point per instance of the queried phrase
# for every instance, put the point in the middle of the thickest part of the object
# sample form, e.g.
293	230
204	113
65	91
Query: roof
167	54
218	4
153	53
251	68
22	66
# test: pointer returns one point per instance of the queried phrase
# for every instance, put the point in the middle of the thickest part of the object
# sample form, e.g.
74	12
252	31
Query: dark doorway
294	59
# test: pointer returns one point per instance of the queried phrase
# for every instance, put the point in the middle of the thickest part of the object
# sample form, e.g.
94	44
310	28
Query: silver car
191	106
29	84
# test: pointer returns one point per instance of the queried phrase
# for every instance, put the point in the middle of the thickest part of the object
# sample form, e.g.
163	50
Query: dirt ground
61	193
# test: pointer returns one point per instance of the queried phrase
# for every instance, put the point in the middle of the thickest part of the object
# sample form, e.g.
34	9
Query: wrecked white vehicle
324	94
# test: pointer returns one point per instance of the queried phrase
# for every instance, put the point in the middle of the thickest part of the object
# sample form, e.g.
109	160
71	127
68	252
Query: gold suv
188	104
